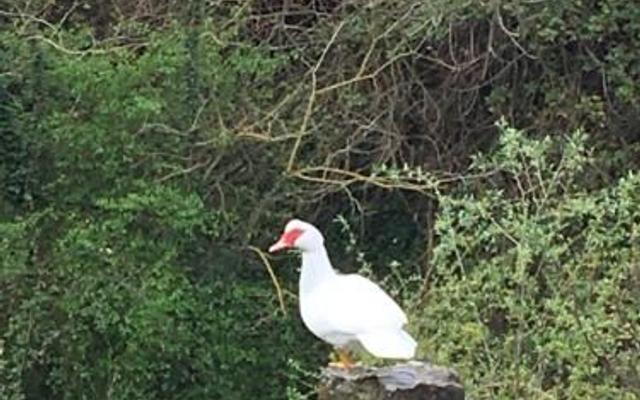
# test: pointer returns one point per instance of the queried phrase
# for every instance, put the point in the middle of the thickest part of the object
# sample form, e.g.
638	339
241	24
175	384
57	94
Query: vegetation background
478	158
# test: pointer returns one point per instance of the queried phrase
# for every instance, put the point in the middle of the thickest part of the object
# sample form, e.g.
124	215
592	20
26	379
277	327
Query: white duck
344	310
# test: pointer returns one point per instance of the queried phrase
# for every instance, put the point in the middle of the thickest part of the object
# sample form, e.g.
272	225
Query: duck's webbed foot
344	359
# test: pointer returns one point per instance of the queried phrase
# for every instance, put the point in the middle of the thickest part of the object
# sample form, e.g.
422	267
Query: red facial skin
289	238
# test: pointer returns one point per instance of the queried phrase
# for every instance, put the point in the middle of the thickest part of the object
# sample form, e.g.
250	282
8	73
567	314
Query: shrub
536	280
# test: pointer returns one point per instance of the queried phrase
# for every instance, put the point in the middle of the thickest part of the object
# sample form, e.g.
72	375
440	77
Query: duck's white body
346	310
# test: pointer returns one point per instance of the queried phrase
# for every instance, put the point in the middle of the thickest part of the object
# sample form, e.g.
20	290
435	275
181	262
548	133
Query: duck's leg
344	359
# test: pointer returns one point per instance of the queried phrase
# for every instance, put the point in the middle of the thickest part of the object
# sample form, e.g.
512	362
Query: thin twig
92	51
266	263
371	75
183	171
312	98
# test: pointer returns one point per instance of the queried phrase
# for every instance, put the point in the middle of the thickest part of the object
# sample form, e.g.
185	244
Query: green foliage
535	291
122	279
113	312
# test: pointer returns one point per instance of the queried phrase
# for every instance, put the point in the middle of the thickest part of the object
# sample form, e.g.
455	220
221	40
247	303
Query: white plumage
344	310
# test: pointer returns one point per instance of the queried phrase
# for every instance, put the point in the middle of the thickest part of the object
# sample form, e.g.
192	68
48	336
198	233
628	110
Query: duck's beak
279	245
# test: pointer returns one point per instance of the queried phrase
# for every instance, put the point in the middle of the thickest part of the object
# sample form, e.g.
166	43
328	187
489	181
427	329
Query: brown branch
360	77
312	98
267	265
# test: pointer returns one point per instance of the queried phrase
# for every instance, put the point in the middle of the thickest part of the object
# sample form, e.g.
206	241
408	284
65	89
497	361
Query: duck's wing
355	305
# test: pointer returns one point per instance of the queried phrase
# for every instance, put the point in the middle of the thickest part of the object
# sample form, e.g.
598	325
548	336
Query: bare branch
312	97
274	279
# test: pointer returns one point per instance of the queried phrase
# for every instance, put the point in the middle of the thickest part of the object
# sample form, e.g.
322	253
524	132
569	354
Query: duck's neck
315	269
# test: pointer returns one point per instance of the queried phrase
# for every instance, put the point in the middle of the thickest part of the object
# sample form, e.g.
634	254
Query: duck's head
299	235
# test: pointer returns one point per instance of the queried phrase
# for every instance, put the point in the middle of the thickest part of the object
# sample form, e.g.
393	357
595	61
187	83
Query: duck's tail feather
389	344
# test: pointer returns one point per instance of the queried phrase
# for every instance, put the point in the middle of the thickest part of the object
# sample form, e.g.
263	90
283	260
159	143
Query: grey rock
414	380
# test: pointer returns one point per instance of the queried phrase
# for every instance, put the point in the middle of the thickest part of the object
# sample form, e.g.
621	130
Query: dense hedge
148	147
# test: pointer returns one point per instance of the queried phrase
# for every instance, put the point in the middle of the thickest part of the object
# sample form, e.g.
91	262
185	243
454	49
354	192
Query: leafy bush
535	290
123	274
114	312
